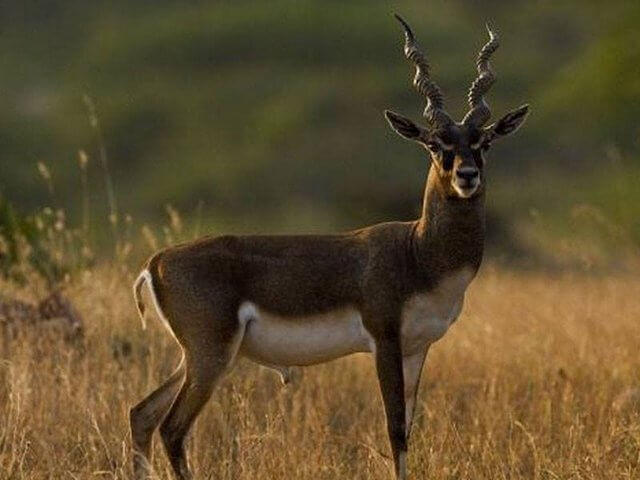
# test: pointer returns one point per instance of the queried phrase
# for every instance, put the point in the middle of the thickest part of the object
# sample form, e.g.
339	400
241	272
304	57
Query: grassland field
538	379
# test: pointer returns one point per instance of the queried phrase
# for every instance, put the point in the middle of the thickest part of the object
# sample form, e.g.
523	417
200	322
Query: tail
143	278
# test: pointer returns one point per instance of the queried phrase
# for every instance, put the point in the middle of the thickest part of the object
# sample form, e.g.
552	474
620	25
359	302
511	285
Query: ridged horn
479	114
434	111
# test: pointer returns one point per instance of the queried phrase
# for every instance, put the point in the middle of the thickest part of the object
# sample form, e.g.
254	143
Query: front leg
388	354
412	366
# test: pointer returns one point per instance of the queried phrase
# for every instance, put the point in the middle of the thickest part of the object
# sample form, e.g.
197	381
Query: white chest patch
270	339
427	316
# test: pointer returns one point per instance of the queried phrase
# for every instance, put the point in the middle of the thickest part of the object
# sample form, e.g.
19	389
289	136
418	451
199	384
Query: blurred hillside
268	115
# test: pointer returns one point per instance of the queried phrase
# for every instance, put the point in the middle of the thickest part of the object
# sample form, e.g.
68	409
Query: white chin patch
466	191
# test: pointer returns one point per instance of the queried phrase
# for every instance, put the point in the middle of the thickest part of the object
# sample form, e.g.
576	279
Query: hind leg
147	415
207	362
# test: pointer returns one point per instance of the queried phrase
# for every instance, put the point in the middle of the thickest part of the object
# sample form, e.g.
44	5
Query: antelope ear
404	126
508	124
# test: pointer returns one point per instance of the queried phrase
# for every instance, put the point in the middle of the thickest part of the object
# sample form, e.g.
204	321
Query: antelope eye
484	146
433	147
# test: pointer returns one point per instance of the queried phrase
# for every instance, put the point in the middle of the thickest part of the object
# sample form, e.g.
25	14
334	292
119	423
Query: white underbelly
274	340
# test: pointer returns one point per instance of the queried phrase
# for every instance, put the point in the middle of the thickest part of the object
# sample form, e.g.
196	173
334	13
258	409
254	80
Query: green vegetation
40	245
267	115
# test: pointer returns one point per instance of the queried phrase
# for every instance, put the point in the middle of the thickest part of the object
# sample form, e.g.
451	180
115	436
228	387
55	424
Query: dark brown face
458	150
457	153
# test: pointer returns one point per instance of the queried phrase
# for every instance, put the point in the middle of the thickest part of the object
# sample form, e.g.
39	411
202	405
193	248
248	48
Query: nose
467	173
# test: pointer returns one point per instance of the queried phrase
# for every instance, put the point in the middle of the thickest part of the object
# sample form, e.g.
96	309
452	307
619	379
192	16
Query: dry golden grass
540	378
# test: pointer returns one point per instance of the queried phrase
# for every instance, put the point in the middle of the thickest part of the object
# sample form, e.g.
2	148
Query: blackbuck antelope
390	289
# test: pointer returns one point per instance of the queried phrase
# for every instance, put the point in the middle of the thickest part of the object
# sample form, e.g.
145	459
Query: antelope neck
450	232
